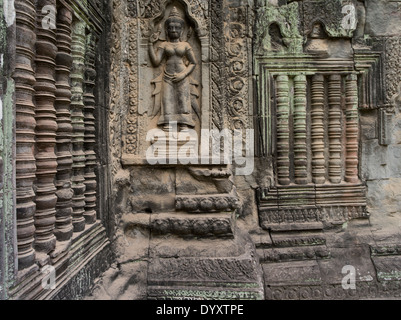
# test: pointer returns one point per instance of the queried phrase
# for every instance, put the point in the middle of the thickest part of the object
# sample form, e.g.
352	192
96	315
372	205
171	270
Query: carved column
25	130
300	161
90	133
64	227
78	124
46	160
317	115
283	132
352	129
335	128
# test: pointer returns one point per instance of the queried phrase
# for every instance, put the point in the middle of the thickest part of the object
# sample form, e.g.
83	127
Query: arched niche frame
197	34
143	72
184	7
325	32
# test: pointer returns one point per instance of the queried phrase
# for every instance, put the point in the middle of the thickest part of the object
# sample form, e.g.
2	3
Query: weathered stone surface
324	95
292	273
309	89
387	268
357	256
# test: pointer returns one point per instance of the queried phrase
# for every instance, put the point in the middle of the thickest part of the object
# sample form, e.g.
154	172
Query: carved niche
152	82
309	115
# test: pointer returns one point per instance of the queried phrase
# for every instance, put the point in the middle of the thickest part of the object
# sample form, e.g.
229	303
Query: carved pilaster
64	227
283	132
25	130
90	133
46	127
317	115
335	128
78	124
300	161
352	129
217	65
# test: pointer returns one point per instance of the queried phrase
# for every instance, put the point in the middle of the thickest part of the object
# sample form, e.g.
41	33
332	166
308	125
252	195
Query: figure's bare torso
174	53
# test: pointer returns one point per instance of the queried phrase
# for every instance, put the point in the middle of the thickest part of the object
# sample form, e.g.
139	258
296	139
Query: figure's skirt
176	102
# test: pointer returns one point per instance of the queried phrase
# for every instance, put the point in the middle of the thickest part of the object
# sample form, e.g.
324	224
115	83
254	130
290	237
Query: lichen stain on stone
9	12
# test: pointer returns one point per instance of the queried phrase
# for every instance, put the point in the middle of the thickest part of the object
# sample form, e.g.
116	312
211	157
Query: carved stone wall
310	114
8	243
312	82
58	231
99	110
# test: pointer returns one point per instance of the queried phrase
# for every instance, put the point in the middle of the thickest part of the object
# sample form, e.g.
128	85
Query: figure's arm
191	67
156	57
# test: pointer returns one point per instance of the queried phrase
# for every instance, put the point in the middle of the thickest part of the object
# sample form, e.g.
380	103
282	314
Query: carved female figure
175	91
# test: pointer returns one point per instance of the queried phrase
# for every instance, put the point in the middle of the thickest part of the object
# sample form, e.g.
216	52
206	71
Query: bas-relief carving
392	66
210	35
331	14
277	29
169	52
176	93
237	46
159	98
317	42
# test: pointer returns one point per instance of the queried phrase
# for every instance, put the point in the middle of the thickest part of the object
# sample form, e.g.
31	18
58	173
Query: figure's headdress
175	15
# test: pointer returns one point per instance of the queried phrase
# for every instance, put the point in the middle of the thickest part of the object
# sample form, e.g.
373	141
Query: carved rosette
236	47
207	203
46	160
64	228
78	124
131	143
90	133
392	67
25	130
200	227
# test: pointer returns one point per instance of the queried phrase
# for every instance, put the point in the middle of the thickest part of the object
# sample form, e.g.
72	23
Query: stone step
205	269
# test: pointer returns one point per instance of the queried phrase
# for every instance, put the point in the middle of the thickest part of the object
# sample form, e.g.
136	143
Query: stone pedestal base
227	270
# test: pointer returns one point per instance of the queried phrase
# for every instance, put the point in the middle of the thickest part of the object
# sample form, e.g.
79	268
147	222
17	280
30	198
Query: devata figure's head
174	25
